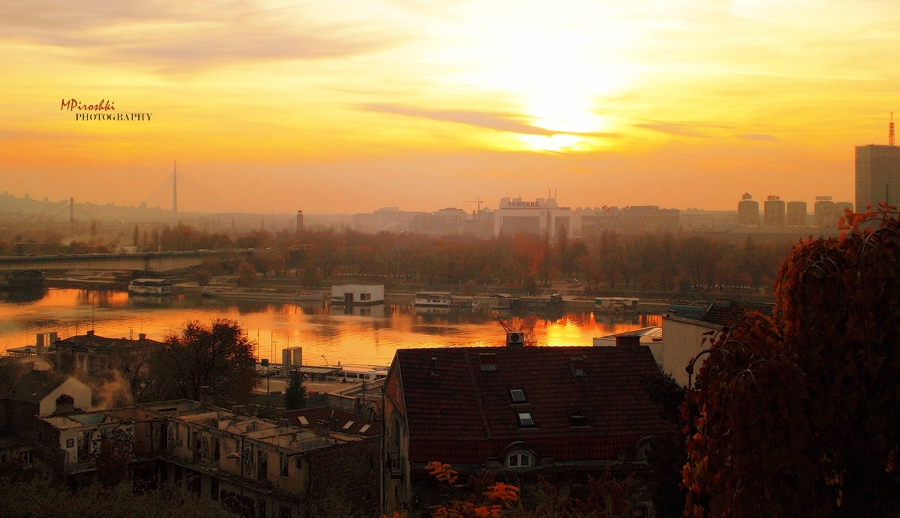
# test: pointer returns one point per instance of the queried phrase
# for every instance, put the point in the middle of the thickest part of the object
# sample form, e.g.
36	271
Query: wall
683	338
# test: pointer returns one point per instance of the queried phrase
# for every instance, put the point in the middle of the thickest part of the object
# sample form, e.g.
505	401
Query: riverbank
574	296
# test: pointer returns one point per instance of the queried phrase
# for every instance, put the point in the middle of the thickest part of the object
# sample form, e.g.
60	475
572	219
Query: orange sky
339	106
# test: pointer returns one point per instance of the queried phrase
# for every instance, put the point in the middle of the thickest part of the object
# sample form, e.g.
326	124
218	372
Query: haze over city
343	107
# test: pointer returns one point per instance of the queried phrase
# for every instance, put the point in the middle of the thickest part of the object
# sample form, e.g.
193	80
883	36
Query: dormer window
488	361
525	419
576	417
518	396
519	459
577	366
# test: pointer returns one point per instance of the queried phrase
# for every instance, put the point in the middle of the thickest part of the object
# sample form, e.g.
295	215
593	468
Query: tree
216	359
114	456
246	274
295	393
798	413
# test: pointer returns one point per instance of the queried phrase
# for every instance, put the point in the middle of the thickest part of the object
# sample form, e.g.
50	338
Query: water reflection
358	335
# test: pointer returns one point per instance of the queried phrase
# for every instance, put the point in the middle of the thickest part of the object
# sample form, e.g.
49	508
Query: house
688	330
96	355
34	393
255	467
39	390
519	411
333	420
357	294
648	337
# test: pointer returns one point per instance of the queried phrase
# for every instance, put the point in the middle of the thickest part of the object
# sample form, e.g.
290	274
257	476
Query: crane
477	201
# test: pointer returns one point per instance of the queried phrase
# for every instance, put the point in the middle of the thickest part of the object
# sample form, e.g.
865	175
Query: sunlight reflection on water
370	336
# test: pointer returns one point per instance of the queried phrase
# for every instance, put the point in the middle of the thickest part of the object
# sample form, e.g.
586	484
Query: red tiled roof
459	413
337	419
726	312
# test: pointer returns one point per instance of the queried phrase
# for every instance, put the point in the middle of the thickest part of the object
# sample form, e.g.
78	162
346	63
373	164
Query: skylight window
303	420
525	419
348	425
518	396
364	428
577	417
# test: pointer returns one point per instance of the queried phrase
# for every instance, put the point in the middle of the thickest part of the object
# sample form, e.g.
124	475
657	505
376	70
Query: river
327	334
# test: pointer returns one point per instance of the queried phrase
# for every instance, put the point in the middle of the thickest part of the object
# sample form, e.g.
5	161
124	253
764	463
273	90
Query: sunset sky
343	106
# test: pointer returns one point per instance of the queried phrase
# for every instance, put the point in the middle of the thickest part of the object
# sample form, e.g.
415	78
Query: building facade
774	212
540	217
796	214
877	176
748	211
252	466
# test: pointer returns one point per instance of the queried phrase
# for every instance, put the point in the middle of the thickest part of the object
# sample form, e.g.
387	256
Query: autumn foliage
798	413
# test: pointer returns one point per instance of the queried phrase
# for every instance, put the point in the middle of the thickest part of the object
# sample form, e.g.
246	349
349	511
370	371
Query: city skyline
342	108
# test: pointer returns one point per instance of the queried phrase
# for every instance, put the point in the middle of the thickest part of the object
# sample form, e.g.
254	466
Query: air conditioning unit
515	339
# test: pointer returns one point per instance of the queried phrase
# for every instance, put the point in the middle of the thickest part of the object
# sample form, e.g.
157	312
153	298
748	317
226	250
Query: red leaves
795	415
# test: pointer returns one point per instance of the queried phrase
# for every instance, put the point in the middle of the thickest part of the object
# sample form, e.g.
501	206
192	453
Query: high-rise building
774	212
542	216
748	211
825	214
877	176
796	214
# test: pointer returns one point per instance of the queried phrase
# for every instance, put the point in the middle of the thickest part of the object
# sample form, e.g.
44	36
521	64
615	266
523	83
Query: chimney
65	404
90	332
39	344
142	336
321	427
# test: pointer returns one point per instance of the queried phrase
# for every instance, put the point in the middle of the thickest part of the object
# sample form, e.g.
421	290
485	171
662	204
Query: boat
616	304
225	292
539	301
150	287
433	299
463	302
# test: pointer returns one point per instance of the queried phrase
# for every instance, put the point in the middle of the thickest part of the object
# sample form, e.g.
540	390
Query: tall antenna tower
174	187
891	131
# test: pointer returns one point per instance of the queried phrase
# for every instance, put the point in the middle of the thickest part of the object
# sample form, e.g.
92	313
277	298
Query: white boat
150	287
433	299
616	304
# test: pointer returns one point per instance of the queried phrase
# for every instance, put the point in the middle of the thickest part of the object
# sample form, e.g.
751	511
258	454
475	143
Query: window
519	459
364	428
283	468
577	366
488	361
576	417
518	396
70	443
348	425
525	419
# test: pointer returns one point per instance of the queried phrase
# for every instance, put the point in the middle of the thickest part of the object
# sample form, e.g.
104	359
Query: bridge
145	261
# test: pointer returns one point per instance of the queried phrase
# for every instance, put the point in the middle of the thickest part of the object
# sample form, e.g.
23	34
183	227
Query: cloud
494	121
183	36
757	136
684	130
